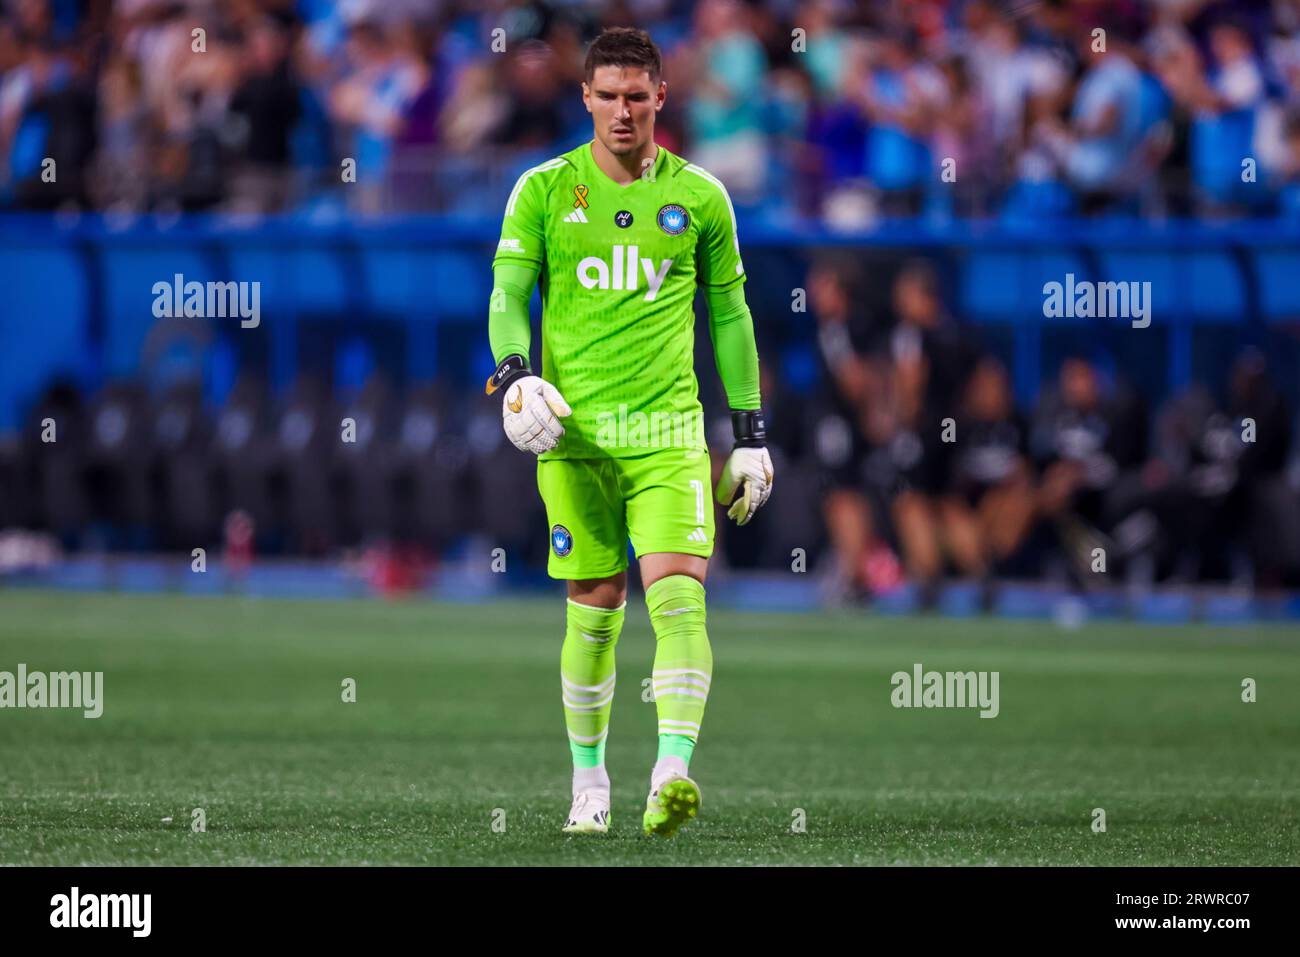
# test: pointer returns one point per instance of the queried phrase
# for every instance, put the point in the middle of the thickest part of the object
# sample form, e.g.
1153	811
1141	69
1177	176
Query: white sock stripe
586	706
671	672
586	699
669	722
695	734
668	687
593	739
683	680
587	690
680	691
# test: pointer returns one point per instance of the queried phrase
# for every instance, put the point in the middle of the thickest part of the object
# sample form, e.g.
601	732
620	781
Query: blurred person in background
1221	100
189	100
476	106
124	135
931	357
533	119
988	508
47	112
266	102
1105	125
723	71
961	134
1006	72
853	418
932	354
1261	507
900	96
1086	441
1216	483
835	131
1289	172
371	100
827	45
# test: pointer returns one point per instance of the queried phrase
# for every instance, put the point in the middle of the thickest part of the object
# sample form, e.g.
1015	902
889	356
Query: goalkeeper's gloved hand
746	479
531	408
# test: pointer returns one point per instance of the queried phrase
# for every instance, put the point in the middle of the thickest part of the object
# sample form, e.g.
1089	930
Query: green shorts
660	500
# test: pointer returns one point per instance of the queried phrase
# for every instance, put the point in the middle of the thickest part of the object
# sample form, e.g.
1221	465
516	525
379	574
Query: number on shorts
699	500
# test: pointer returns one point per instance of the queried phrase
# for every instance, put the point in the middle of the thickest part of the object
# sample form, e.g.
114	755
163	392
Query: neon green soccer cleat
676	802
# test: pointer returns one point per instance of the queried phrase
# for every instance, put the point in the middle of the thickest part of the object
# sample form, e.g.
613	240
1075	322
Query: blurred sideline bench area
165	427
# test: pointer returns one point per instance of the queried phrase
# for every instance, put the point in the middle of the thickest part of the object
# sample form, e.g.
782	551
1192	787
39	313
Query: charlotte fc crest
673	219
561	541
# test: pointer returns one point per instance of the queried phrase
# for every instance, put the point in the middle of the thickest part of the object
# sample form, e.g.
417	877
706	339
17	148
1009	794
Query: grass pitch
234	706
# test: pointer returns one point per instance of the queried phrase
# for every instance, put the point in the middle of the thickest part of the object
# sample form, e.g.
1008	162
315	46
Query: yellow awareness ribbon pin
581	193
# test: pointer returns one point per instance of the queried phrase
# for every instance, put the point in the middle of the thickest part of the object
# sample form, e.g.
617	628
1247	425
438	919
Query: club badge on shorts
673	219
561	541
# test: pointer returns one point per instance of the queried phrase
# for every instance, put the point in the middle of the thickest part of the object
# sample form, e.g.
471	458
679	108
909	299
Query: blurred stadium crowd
852	123
822	109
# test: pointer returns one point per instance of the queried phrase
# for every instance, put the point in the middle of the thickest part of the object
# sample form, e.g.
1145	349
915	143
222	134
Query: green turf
233	706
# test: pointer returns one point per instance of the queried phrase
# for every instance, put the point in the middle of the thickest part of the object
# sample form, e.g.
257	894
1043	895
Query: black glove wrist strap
512	367
749	427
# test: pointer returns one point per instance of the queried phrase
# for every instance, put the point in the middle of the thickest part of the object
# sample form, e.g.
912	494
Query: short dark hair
624	46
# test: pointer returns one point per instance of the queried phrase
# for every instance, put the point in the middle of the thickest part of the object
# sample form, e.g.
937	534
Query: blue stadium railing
78	292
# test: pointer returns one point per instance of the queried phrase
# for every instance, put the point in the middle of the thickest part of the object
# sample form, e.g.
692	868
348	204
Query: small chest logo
623	219
673	219
579	204
561	541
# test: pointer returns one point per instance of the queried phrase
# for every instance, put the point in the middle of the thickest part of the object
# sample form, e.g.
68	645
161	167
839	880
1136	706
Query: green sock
587	679
676	745
683	666
587	755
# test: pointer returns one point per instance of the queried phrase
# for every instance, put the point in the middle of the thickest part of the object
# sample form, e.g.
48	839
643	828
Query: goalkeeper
620	232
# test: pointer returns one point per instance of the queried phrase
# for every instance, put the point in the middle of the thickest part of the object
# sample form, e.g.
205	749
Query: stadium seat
462	282
1007	285
47	308
1278	273
398	280
301	279
185	505
1201	286
129	272
1218	291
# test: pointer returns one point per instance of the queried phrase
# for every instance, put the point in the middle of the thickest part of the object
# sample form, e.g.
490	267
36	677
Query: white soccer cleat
589	814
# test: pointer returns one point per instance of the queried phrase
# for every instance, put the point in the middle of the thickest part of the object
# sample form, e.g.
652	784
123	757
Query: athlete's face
623	102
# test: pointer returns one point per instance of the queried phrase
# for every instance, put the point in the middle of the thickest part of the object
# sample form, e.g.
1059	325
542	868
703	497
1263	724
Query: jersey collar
661	157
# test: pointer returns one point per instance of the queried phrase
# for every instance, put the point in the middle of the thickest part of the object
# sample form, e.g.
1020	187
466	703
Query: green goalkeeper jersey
619	267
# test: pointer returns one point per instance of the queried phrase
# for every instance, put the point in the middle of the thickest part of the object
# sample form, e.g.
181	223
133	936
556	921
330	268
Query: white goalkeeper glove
531	408
746	480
